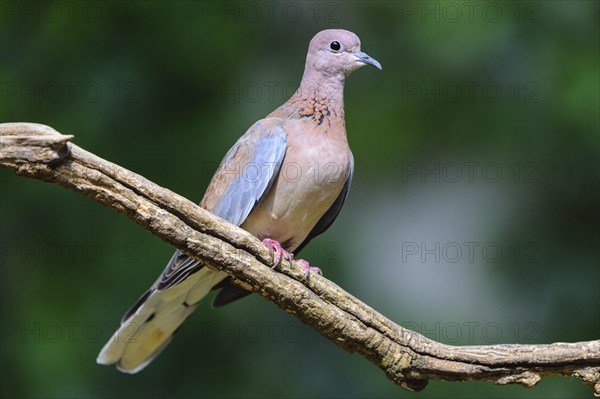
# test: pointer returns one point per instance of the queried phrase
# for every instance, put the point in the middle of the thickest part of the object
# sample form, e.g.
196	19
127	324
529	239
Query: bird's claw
308	268
277	252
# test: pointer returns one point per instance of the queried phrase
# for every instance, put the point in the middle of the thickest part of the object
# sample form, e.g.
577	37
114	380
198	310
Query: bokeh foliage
481	134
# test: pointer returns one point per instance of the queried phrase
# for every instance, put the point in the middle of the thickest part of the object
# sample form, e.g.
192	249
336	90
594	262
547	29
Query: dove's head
336	52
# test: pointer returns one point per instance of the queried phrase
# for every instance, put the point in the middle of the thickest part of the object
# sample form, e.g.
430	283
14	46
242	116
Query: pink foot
308	268
277	252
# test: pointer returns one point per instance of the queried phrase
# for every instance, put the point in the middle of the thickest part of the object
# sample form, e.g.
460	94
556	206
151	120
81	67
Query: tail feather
154	319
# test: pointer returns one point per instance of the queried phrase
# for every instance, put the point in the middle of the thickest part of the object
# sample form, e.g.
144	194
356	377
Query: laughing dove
284	181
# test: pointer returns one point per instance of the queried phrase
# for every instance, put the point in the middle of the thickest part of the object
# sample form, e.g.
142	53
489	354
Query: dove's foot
277	252
308	268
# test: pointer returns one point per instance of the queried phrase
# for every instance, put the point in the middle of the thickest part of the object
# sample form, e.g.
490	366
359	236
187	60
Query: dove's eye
335	46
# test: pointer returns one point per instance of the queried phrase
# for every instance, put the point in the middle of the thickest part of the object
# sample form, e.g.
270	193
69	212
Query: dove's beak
367	59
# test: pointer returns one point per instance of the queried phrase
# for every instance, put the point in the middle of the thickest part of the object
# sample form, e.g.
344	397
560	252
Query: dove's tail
148	327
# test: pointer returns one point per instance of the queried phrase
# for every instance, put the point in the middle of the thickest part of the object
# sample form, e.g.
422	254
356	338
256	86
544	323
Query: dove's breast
314	171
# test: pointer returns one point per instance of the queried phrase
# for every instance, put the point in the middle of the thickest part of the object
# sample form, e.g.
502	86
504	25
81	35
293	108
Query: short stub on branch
22	143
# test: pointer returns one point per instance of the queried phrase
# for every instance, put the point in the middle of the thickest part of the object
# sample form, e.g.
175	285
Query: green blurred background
473	215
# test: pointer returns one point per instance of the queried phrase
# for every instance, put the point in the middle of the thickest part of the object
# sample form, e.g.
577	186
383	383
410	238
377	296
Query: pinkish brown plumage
284	181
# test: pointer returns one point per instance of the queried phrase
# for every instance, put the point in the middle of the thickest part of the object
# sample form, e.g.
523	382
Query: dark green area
481	132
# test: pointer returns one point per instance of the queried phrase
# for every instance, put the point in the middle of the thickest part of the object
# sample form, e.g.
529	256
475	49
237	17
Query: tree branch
407	358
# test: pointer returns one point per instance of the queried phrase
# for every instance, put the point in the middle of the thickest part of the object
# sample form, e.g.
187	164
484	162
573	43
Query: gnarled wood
408	358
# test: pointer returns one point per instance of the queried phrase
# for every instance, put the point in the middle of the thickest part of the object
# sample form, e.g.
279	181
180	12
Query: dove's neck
327	90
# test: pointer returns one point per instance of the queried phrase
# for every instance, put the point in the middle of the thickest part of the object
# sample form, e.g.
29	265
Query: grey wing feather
242	195
256	178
